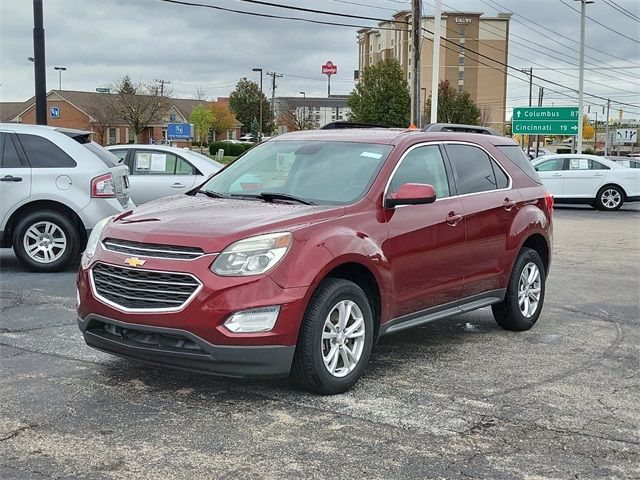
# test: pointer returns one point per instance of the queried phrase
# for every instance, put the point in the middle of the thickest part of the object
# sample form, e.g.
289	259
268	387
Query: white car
55	186
597	181
159	170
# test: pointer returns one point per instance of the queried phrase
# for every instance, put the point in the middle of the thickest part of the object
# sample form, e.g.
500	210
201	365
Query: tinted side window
422	165
473	169
43	153
183	167
517	156
150	162
8	152
550	165
502	180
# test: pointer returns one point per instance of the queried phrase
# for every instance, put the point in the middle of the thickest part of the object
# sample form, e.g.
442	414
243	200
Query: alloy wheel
44	242
611	198
343	337
529	289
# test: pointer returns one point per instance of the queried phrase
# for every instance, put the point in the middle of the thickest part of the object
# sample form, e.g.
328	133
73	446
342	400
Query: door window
475	170
154	162
43	153
586	164
8	153
550	165
422	165
120	154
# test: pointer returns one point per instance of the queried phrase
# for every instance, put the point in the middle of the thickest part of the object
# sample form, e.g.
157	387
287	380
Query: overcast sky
99	41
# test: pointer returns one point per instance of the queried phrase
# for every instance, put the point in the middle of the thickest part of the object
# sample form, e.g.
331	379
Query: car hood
211	223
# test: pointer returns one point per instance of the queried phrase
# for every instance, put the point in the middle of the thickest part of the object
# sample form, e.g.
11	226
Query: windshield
318	172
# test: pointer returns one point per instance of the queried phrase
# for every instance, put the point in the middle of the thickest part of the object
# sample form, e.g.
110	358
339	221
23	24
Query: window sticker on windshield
377	156
143	161
158	162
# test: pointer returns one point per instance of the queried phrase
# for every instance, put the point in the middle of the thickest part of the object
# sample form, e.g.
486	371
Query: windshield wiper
270	196
211	194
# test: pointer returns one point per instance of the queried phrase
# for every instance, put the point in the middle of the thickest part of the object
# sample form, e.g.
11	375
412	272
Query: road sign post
545	120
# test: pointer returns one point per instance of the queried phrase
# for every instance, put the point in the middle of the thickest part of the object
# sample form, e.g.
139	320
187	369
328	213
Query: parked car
159	170
627	162
541	152
55	185
589	179
302	253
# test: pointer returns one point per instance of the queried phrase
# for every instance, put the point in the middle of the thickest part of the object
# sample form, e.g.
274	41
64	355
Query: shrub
236	149
215	146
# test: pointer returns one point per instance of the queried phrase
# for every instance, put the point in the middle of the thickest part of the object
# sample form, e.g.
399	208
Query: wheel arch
40	205
539	243
612	184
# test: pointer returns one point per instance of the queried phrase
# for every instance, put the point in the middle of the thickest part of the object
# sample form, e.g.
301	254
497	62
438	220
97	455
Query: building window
112	136
461	87
461	60
461	32
461	74
461	49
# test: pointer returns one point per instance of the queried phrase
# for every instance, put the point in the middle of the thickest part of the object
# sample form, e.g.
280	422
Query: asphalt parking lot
453	399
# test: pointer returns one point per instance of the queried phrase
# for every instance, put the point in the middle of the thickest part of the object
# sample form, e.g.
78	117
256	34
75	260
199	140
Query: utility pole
540	96
260	130
529	71
435	68
162	83
583	9
39	63
416	17
274	75
606	129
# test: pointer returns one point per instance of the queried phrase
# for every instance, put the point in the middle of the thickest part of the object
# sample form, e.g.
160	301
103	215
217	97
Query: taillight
103	186
549	200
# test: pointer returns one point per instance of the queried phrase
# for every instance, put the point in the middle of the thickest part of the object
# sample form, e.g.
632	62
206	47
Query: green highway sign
545	120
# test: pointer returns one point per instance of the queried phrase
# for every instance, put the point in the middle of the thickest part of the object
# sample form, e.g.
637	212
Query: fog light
254	320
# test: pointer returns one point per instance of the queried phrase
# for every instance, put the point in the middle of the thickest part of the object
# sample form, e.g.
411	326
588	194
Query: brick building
472	58
90	111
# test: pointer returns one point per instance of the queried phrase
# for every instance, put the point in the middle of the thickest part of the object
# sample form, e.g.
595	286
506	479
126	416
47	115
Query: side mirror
412	194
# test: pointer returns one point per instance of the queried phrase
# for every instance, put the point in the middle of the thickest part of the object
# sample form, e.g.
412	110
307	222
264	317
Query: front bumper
176	348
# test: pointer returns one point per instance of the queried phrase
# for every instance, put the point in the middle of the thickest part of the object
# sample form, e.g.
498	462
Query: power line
622	10
601	24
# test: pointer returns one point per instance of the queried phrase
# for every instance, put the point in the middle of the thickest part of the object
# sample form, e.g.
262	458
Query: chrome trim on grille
151	250
122	308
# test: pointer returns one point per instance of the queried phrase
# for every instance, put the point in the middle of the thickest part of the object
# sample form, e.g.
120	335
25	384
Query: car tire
610	198
46	241
517	311
329	360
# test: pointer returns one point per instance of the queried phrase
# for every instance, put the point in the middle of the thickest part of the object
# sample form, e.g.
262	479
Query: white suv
55	185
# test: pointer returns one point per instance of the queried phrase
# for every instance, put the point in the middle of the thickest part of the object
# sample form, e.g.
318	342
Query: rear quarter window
43	153
108	158
517	156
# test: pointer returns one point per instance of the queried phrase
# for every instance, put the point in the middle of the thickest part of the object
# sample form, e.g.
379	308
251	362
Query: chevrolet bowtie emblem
134	262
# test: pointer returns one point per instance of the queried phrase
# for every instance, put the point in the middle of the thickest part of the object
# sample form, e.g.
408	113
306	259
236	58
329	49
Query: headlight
252	256
94	238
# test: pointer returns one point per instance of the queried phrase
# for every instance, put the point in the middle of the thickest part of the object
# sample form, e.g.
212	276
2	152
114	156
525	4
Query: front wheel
336	338
523	301
610	198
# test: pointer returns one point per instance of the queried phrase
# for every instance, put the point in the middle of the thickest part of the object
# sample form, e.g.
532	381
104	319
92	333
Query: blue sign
54	112
178	131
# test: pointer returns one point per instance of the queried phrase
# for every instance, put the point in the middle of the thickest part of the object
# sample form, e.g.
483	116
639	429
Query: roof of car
28	127
389	136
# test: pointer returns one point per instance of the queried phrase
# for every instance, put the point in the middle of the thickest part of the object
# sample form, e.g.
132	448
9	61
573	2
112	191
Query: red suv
297	257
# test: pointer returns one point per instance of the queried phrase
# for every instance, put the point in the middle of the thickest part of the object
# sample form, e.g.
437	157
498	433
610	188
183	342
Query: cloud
101	41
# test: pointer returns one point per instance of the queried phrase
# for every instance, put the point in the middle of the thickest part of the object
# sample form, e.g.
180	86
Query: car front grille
134	289
152	249
145	339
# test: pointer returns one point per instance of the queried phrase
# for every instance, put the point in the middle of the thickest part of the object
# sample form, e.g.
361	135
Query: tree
103	114
255	129
139	104
588	131
244	102
381	97
223	119
454	106
295	118
202	119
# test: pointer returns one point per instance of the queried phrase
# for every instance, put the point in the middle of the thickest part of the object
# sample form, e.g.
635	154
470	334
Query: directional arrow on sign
519	113
574	127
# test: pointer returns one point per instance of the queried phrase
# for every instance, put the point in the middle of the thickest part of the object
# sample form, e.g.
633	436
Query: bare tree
295	118
485	117
200	94
140	104
103	114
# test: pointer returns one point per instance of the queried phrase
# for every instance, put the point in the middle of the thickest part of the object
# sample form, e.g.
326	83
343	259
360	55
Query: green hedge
230	149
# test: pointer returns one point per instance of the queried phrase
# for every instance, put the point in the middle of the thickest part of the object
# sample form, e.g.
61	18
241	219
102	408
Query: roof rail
342	125
456	127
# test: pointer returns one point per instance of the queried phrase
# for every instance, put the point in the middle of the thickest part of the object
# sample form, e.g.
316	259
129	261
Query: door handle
557	174
10	178
508	204
178	185
453	218
598	174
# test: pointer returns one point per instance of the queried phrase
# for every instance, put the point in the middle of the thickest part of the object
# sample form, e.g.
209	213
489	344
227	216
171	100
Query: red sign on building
329	68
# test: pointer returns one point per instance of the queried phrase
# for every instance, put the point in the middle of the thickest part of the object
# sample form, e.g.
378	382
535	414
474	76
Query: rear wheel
46	241
610	198
525	293
336	338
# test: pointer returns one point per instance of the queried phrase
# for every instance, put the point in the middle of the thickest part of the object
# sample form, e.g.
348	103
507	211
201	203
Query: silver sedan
160	170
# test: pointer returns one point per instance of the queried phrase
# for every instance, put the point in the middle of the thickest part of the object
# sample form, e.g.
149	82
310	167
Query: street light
31	59
583	8
60	70
304	110
260	129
